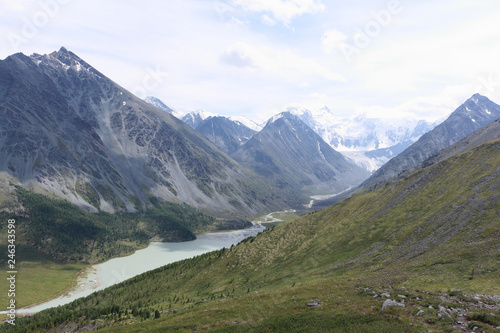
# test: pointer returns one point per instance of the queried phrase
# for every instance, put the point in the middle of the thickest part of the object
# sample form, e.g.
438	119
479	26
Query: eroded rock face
69	130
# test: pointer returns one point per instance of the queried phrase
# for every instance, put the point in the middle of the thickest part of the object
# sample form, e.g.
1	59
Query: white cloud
239	55
267	20
276	62
332	39
432	107
282	10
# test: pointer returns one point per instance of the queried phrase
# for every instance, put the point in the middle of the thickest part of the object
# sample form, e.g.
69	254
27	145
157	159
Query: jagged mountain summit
371	142
296	159
247	122
476	112
226	134
68	130
193	119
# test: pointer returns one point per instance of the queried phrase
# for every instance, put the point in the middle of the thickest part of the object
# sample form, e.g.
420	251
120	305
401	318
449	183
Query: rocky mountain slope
476	112
226	134
68	130
296	159
437	229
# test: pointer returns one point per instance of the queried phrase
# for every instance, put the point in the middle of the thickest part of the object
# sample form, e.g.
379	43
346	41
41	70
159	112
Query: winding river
98	277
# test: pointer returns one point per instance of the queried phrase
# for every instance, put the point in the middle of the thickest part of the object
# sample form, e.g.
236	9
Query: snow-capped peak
194	118
297	110
203	114
369	141
247	122
276	117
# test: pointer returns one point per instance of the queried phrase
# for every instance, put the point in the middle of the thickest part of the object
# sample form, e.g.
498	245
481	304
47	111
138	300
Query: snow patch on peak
77	66
205	114
62	59
194	118
201	114
297	110
246	122
276	117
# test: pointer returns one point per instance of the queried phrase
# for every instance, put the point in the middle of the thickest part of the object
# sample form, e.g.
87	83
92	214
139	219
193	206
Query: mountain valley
407	241
429	232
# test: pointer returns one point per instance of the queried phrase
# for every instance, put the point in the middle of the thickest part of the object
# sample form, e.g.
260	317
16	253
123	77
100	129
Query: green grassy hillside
429	239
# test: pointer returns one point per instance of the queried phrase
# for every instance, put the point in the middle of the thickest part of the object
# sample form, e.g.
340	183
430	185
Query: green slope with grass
433	231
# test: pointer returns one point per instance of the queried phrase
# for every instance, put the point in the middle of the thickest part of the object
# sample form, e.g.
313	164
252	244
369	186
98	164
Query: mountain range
295	157
370	142
476	112
69	131
285	152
